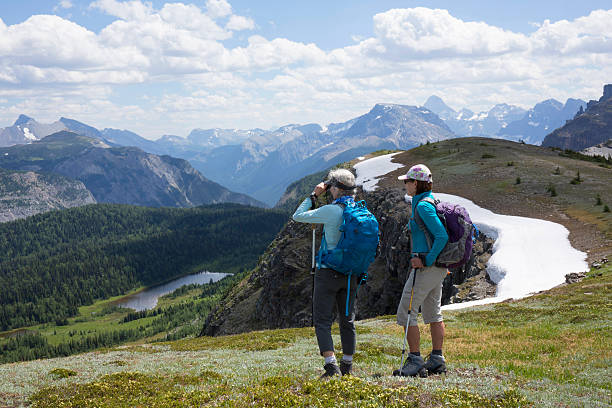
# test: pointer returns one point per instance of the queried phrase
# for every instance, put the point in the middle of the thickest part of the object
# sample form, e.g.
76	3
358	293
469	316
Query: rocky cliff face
278	292
588	129
23	194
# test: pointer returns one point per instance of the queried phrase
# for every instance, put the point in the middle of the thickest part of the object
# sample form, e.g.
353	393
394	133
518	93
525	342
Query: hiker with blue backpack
423	287
348	246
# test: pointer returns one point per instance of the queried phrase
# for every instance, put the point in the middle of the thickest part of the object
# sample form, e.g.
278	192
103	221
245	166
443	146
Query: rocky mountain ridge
123	175
508	121
240	159
23	194
467	123
291	152
541	120
588	128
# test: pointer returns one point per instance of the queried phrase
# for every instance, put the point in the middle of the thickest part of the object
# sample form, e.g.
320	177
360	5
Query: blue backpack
358	242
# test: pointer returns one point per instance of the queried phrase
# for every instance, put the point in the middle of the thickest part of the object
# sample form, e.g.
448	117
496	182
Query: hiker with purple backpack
423	287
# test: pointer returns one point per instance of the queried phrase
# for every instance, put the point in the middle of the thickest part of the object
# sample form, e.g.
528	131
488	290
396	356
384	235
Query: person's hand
416	263
319	189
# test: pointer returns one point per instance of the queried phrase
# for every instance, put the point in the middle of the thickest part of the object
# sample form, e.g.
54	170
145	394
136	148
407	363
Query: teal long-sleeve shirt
427	212
329	215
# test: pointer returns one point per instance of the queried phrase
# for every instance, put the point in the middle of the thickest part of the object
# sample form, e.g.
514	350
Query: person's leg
407	313
432	315
323	304
408	308
414	340
437	335
431	308
346	323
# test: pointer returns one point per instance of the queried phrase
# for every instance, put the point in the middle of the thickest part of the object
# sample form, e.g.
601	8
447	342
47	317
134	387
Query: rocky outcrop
23	194
592	127
607	93
277	294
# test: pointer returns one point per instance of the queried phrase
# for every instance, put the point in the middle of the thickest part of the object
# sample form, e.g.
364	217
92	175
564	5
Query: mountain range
588	128
508	121
262	163
122	175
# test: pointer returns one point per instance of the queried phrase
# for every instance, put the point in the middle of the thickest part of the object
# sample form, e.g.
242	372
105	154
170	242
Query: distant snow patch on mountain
28	135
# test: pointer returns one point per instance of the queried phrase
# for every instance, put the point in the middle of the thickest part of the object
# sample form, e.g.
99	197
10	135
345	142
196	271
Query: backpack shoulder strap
421	223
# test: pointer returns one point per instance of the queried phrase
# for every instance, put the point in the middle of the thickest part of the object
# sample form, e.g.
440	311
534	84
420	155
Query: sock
415	353
331	359
347	359
436	352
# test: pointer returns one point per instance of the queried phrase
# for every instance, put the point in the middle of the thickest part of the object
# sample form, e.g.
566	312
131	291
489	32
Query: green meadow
549	350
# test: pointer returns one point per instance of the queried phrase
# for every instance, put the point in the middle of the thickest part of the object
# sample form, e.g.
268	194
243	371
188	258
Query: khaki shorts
427	294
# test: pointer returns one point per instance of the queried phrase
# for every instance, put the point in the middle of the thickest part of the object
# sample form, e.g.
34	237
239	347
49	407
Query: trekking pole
414	270
312	272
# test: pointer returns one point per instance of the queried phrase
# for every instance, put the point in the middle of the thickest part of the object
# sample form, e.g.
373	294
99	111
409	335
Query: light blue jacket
329	215
428	214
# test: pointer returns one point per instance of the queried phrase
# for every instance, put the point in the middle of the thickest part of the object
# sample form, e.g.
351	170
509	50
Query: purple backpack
461	233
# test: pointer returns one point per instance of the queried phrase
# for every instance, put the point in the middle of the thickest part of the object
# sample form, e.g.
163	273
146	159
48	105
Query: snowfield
370	170
529	255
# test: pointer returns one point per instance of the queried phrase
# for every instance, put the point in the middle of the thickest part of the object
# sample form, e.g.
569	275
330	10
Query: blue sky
163	67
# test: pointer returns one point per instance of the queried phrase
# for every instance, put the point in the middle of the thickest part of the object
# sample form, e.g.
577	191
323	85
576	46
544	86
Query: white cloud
589	34
127	10
64	4
412	54
425	32
190	20
276	54
238	23
45	40
218	8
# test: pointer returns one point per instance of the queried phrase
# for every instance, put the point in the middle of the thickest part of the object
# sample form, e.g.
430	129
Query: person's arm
321	215
428	214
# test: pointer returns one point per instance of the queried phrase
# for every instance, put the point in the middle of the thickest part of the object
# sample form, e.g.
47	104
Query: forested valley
53	263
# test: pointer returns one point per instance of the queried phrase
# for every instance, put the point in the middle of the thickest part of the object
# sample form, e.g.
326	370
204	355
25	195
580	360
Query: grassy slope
552	349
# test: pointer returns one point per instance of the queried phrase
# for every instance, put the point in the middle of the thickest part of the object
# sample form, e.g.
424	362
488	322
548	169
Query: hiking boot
346	367
331	369
413	366
435	364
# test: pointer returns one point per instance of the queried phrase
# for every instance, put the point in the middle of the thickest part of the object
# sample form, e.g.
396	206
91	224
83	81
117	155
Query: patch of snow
360	158
601	149
370	170
28	135
6	154
323	129
378	117
479	116
529	255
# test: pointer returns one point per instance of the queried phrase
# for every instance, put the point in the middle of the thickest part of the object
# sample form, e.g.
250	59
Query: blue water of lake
147	299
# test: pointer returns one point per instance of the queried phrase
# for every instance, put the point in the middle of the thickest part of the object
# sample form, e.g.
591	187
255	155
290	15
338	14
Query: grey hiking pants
330	291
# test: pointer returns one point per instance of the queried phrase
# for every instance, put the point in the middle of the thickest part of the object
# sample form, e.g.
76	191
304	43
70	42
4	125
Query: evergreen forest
52	263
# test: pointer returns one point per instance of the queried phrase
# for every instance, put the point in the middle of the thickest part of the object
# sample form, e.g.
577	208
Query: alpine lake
146	299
